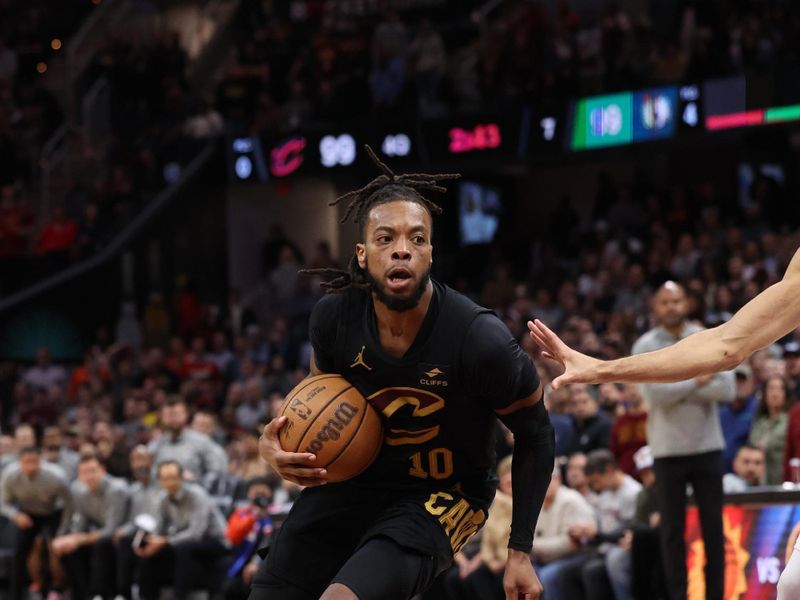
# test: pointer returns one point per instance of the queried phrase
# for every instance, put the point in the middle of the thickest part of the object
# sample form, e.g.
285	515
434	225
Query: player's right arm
766	318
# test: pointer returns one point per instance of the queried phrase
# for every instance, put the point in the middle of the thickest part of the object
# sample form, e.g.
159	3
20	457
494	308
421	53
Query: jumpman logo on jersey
360	360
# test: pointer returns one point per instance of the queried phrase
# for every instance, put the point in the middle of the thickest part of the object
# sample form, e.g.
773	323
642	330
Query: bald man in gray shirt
685	436
85	546
35	496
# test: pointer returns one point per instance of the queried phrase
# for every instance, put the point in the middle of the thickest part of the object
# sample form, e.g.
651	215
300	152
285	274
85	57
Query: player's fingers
556	383
550	356
551	339
304	473
289	459
544	343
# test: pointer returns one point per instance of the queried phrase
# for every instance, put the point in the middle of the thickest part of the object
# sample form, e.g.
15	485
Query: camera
145	527
262	501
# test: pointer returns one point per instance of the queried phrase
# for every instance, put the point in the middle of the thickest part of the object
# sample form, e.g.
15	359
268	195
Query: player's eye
384	239
418	239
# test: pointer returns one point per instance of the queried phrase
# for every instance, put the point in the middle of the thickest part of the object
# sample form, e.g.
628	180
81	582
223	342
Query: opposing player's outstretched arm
765	319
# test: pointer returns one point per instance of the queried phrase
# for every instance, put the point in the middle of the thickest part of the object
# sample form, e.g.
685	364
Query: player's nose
401	251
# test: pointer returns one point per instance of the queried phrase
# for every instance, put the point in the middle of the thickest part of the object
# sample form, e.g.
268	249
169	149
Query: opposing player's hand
578	368
294	466
520	581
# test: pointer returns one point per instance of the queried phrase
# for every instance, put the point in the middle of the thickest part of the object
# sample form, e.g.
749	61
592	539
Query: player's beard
398	303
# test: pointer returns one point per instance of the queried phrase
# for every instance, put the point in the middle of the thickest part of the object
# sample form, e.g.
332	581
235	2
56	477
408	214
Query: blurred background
166	168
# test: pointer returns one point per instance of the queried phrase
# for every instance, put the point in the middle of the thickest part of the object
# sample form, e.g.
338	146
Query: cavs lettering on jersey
437	401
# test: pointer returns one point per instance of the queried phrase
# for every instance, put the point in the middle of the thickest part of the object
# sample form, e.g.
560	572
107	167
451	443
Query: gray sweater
683	418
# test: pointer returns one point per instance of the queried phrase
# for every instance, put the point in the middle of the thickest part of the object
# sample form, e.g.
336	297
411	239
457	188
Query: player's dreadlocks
387	187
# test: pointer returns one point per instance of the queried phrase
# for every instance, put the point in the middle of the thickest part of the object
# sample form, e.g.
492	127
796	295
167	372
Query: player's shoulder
334	306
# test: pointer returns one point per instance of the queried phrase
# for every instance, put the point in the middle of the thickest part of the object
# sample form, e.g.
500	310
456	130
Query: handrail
107	253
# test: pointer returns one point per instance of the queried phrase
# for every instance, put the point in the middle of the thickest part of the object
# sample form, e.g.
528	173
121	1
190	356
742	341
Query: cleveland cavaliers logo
359	362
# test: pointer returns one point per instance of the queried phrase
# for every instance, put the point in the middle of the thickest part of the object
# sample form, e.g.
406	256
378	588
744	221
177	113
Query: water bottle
794	470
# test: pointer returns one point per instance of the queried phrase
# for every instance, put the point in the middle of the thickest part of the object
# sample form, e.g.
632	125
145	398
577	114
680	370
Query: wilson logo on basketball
330	431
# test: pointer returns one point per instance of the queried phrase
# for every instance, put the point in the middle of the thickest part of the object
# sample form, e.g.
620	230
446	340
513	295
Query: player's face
396	253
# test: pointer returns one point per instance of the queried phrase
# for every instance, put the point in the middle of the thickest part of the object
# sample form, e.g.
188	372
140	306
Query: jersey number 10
439	464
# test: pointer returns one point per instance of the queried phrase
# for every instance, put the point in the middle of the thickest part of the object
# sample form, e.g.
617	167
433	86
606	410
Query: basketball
328	417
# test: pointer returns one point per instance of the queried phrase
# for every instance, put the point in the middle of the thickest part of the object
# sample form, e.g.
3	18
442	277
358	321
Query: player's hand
520	581
294	466
578	368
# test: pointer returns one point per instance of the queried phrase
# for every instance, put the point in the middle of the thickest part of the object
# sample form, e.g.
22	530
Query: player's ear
361	255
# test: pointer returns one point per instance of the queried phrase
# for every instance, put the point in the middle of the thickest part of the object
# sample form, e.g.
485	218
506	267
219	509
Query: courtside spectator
749	470
553	548
592	426
629	432
769	428
737	417
100	505
188	542
35	496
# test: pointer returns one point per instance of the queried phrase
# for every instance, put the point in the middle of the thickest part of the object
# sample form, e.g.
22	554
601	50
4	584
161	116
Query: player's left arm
504	374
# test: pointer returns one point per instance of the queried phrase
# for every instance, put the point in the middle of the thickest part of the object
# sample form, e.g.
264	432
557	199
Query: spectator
197	454
237	317
128	330
487	580
791	356
629	431
429	60
249	528
59	234
254	410
634	565
44	374
562	425
55	452
36	498
769	427
553	548
592	427
737	417
24	437
100	504
189	538
615	506
576	476
749	470
145	496
683	430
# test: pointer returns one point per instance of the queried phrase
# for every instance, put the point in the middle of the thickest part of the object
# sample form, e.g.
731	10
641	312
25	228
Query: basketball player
766	318
437	367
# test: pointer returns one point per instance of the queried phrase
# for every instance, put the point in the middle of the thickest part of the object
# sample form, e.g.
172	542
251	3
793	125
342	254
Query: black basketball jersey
438	400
